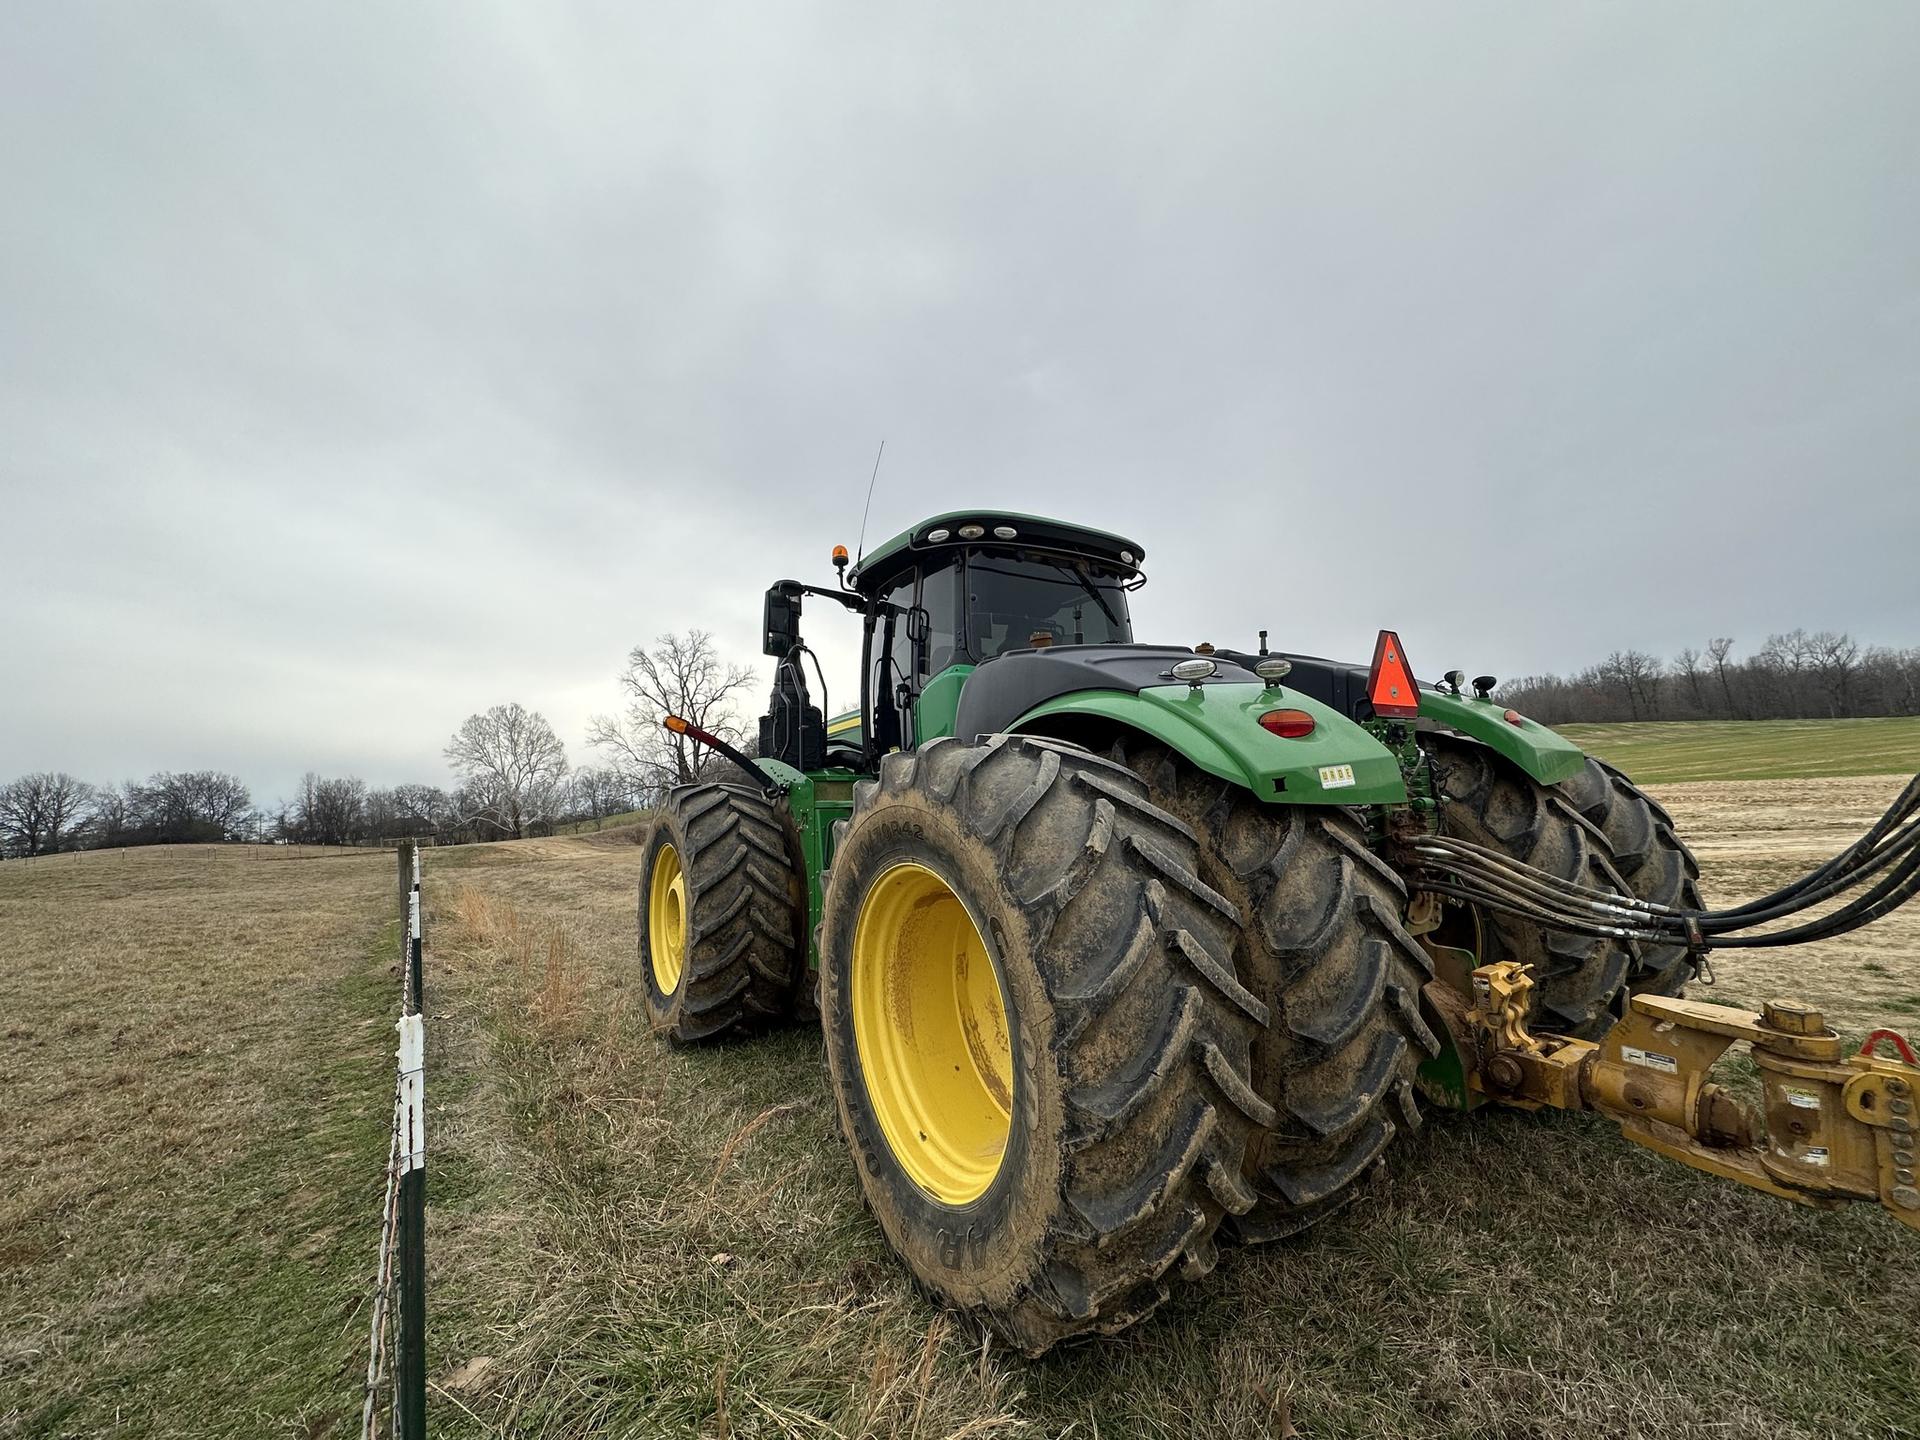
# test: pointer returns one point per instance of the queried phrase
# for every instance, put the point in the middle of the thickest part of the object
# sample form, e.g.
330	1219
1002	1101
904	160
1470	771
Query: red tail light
1289	724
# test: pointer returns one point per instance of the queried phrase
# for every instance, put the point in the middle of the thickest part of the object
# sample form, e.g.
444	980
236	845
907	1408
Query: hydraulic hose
1461	870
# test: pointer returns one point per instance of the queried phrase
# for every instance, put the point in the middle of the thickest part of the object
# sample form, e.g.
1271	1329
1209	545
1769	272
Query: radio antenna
861	550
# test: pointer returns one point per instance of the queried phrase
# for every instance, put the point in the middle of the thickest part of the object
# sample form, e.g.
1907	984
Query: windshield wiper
1086	583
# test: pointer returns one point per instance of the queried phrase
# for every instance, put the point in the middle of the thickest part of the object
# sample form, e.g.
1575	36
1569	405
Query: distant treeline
53	811
1796	676
346	811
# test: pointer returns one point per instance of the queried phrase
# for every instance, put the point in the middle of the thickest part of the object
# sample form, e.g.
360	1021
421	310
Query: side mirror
780	626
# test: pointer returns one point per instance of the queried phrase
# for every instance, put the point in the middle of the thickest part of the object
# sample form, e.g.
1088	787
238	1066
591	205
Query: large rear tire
1650	858
1326	950
1050	1150
1579	982
722	912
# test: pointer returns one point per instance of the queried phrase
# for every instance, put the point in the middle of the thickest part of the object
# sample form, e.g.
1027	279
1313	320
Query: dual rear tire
1324	948
1082	1012
1040	1053
1597	829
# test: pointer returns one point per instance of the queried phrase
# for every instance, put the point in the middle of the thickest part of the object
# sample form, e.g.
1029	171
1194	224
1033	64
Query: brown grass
195	1085
640	1241
699	1261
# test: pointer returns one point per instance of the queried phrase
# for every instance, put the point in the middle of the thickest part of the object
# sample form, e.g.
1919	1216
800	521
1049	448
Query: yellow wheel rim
667	919
931	1029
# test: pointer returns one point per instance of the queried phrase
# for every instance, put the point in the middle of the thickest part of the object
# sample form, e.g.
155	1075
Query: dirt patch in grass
1755	836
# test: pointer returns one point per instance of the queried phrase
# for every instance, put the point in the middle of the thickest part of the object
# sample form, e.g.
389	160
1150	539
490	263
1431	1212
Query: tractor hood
1065	690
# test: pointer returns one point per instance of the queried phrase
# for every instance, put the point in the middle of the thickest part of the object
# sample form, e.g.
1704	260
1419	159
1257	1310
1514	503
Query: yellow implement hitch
1831	1127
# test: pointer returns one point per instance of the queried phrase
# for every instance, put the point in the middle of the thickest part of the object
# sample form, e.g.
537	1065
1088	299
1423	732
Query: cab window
1015	601
940	598
899	648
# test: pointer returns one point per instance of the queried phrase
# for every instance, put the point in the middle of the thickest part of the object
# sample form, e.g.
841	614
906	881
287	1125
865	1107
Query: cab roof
942	532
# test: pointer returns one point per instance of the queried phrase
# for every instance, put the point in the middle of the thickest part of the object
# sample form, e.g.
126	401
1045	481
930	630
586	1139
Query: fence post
411	1372
413	929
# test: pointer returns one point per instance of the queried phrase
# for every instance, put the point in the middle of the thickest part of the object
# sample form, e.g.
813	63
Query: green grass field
1662	752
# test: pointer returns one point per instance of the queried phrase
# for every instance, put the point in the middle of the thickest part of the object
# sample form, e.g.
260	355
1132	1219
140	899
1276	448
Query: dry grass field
628	1240
195	1089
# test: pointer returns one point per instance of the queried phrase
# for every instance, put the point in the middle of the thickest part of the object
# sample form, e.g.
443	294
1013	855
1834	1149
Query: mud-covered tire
1579	982
1324	947
1649	856
744	903
1131	1104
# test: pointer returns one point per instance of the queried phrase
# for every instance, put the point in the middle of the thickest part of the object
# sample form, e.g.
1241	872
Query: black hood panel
1006	687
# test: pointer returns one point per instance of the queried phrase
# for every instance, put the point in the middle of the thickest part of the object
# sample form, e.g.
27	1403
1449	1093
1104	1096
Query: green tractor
1121	949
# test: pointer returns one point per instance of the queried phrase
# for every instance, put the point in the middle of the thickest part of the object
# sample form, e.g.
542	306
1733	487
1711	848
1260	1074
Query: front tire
1050	1150
721	913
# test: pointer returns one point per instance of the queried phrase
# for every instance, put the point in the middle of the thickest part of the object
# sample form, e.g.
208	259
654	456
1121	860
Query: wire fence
396	1390
235	849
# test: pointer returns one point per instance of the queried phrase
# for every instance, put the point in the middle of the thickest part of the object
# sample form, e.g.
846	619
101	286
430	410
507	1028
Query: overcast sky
365	366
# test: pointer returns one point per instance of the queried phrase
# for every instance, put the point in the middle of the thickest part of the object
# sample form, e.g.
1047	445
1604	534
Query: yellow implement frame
1831	1127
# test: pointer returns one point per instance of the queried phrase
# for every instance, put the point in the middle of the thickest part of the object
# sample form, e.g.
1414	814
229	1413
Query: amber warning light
1390	683
691	731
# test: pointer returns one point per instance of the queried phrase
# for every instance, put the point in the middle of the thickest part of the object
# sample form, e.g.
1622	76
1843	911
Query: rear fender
1546	756
1216	727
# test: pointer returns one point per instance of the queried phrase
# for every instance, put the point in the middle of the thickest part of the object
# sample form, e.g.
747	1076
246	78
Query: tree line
513	780
52	810
1822	675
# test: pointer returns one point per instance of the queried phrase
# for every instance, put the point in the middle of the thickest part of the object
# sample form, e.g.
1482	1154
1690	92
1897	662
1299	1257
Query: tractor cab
953	593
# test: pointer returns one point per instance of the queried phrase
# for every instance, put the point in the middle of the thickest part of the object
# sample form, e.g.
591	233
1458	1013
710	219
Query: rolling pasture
628	1240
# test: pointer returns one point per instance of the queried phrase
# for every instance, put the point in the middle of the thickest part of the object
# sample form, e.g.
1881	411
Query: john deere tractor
1119	948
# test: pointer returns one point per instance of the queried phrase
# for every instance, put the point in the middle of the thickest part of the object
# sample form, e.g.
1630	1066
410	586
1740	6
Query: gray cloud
360	369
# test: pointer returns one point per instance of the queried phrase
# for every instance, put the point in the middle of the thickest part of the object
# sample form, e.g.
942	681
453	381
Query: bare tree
1783	667
682	675
330	812
191	806
112	817
1636	674
40	811
1834	659
1718	649
422	810
1647	672
514	767
1687	665
596	792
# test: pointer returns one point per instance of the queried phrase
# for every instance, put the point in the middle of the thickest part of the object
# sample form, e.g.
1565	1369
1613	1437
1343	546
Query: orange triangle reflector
1390	684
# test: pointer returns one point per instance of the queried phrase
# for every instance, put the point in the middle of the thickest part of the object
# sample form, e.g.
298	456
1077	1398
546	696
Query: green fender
1547	757
1217	728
